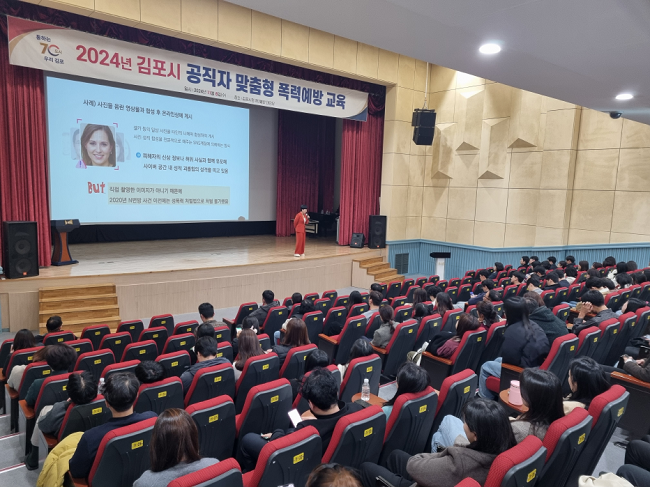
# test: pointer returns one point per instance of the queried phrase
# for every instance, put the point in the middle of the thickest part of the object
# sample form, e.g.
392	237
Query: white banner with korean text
67	51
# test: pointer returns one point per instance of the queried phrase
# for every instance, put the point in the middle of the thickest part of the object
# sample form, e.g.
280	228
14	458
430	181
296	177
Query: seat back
224	349
358	309
35	370
588	341
401	343
359	369
468	352
564	441
627	329
410	292
147	350
463	292
608	333
563	351
58	337
175	363
310	297
434	279
120	367
336	315
158	396
20	357
323	305
443	285
606	410
493	344
287	460
453	293
123	455
642	322
82	417
186	327
215	420
561	295
134	328
293	309
331	295
393	289
223	474
353	329
406	284
186	341
519	466
357	438
342	301
54	389
403	313
95	362
314	321
294	364
211	382
398	301
222	334
5	349
166	321
265	341
613	300
274	320
287	303
450	319
455	391
158	334
410	422
510	291
83	345
562	311
420	281
574	292
266	408
429	327
257	370
95	334
116	343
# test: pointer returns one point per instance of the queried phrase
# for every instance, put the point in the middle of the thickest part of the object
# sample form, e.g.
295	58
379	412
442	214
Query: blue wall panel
465	257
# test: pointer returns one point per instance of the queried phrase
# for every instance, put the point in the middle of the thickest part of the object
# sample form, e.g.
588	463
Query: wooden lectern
61	253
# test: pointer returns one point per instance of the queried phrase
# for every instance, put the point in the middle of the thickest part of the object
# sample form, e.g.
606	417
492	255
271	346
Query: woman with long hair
420	296
174	449
445	343
360	348
443	304
487	316
295	336
411	379
385	331
333	475
587	379
23	339
97	147
248	346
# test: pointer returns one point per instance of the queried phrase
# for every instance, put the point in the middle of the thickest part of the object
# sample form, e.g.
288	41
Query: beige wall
507	167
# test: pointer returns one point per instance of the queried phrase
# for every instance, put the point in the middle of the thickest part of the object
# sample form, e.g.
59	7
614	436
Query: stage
175	276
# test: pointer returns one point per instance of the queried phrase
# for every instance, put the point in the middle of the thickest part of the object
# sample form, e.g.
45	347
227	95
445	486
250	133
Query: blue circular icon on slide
138	155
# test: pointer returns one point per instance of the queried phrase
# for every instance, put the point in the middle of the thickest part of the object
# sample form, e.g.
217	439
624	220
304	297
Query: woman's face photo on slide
98	146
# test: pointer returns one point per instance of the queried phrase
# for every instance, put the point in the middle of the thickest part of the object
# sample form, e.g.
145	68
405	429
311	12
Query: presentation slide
125	156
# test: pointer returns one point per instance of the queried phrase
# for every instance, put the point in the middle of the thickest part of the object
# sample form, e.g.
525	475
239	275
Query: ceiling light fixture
624	96
489	49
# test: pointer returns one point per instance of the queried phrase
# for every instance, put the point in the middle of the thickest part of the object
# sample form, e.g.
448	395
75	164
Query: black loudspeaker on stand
357	241
20	249
377	232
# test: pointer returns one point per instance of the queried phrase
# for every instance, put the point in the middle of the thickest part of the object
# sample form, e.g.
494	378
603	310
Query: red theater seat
174	363
158	334
175	343
215	420
455	391
429	327
210	382
58	337
401	342
120	367
186	327
95	334
166	321
519	466
338	347
294	364
223	474
134	328
94	362
158	396
257	370
116	343
147	350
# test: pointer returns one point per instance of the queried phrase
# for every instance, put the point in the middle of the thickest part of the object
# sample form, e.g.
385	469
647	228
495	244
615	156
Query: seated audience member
591	302
632	349
546	265
621	268
481	276
524	344
360	348
205	329
411	379
304	308
562	265
374	301
631	266
594	282
333	475
517	278
523	263
295	336
534	285
595	265
206	351
553	326
385	331
560	274
321	391
249	346
296	298
443	304
607	286
22	340
540	271
498	267
609	262
174	450
355	298
60	357
17	372
445	343
637	462
552	261
53	325
571	274
623	281
206	312
420	296
570	260
488	430
315	359
487	286
420	311
493	296
375	286
587	379
541	393
148	372
639	278
534	261
248	323
268	302
487	316
646	272
82	389
433	292
120	391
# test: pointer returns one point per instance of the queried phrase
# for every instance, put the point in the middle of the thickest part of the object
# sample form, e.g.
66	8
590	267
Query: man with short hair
571	274
206	351
487	286
149	372
268	302
517	278
570	260
61	358
592	302
374	301
552	281
540	270
523	263
560	274
375	286
481	276
534	284
498	267
53	325
552	261
206	312
534	261
120	392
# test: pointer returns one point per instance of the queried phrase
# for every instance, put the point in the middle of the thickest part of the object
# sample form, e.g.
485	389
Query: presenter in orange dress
299	224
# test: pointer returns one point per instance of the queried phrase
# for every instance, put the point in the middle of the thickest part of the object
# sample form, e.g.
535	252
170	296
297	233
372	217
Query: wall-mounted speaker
424	122
377	232
20	249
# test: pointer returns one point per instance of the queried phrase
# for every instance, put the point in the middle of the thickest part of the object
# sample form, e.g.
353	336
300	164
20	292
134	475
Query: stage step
365	263
378	268
81	291
384	274
74	302
389	279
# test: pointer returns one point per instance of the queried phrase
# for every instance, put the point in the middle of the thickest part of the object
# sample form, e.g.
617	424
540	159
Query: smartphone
294	416
382	482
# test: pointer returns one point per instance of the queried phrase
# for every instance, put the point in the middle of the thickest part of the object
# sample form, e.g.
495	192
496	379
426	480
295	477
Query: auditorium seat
450	319
429	327
257	370
519	466
393	290
122	457
5	349
314	321
323	305
293	309
134	327
21	357
643	320
398	301
564	441
338	347
493	343
455	391
58	337
224	349
453	293
420	281
401	342
222	334
464	292
147	350
186	327
504	282
294	364
95	333
265	341
287	460
331	295
158	396
562	311
94	362
357	309
403	313
608	332
575	291
466	356
342	301
588	341
359	369
310	297
549	298
174	343
613	300
434	279
410	292
287	303
625	332
210	382
274	320
498	308
222	474
301	404
406	284
636	417
443	284
166	321
215	420
174	363
158	334
33	371
120	367
116	343
244	310
510	291
357	438
410	422
365	296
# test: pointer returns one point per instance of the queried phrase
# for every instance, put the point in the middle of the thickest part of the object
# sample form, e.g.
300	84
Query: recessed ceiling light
489	48
624	96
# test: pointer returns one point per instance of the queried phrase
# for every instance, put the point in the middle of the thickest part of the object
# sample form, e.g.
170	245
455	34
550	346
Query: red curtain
305	166
361	155
23	152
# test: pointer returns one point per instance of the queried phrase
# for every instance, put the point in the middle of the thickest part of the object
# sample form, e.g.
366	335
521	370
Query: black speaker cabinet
377	232
423	122
357	241
20	249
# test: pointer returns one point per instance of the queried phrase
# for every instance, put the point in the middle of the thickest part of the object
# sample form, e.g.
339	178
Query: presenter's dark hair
88	132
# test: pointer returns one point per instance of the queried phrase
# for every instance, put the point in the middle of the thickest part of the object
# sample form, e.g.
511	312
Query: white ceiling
581	51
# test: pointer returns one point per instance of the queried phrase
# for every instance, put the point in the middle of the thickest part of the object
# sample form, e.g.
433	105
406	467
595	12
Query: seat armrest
328	339
445	361
77	482
13	393
2	376
28	412
51	441
229	322
630	379
514	368
381	351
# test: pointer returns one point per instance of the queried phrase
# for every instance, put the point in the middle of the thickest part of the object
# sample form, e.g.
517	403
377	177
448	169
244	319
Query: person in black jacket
553	326
524	344
593	301
268	302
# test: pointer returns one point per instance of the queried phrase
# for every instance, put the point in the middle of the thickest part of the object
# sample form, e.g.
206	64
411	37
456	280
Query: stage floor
118	258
